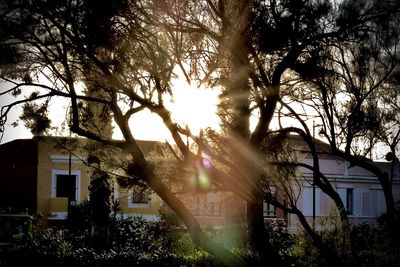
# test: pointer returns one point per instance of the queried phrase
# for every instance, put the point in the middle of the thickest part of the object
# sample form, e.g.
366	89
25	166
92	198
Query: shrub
373	246
135	242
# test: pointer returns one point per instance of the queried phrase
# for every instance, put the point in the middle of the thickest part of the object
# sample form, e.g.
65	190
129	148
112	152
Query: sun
190	106
194	107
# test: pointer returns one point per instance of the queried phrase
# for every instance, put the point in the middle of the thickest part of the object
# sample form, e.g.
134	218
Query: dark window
66	186
349	200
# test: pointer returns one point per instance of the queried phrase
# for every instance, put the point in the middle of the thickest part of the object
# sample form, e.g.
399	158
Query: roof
146	146
297	141
20	148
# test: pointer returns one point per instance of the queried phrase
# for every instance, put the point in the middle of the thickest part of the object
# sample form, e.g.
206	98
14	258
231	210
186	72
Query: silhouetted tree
55	40
350	96
126	52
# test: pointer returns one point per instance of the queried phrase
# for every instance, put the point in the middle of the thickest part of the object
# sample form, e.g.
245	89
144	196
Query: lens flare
204	180
206	161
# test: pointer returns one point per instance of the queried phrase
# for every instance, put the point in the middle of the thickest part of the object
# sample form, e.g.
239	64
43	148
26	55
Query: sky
11	132
193	106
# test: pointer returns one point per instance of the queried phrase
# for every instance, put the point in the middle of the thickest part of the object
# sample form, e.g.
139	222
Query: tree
261	65
390	121
350	97
54	40
129	59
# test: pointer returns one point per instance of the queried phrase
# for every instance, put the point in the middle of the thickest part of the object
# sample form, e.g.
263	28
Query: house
359	189
40	176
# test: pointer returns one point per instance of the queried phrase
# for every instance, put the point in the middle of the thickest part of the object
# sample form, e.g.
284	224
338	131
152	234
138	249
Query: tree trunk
199	238
344	218
390	205
384	180
259	242
323	183
328	254
237	102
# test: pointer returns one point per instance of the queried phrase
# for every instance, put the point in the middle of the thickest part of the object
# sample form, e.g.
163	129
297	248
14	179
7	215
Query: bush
281	241
135	242
373	246
47	247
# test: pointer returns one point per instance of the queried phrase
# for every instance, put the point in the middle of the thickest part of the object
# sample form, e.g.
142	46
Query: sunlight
194	107
146	125
190	106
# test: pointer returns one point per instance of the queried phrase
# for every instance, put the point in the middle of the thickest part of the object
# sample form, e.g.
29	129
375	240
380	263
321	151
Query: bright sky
193	106
11	132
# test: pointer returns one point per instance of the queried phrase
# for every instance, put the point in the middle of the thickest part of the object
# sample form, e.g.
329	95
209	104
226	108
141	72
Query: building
40	176
359	189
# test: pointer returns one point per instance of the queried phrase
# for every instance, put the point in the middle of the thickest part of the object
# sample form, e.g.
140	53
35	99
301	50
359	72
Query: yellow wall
123	197
58	204
47	146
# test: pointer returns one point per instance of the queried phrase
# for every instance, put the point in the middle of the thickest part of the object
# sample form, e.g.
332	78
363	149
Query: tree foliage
267	56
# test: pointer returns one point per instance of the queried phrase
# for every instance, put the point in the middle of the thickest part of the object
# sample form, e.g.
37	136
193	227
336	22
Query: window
138	199
213	204
365	204
347	196
65	184
349	200
269	210
196	206
214	209
378	202
310	202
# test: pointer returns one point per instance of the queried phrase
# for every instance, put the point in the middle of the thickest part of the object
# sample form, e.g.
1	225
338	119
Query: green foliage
374	247
8	56
371	246
305	252
15	228
287	21
281	241
136	242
